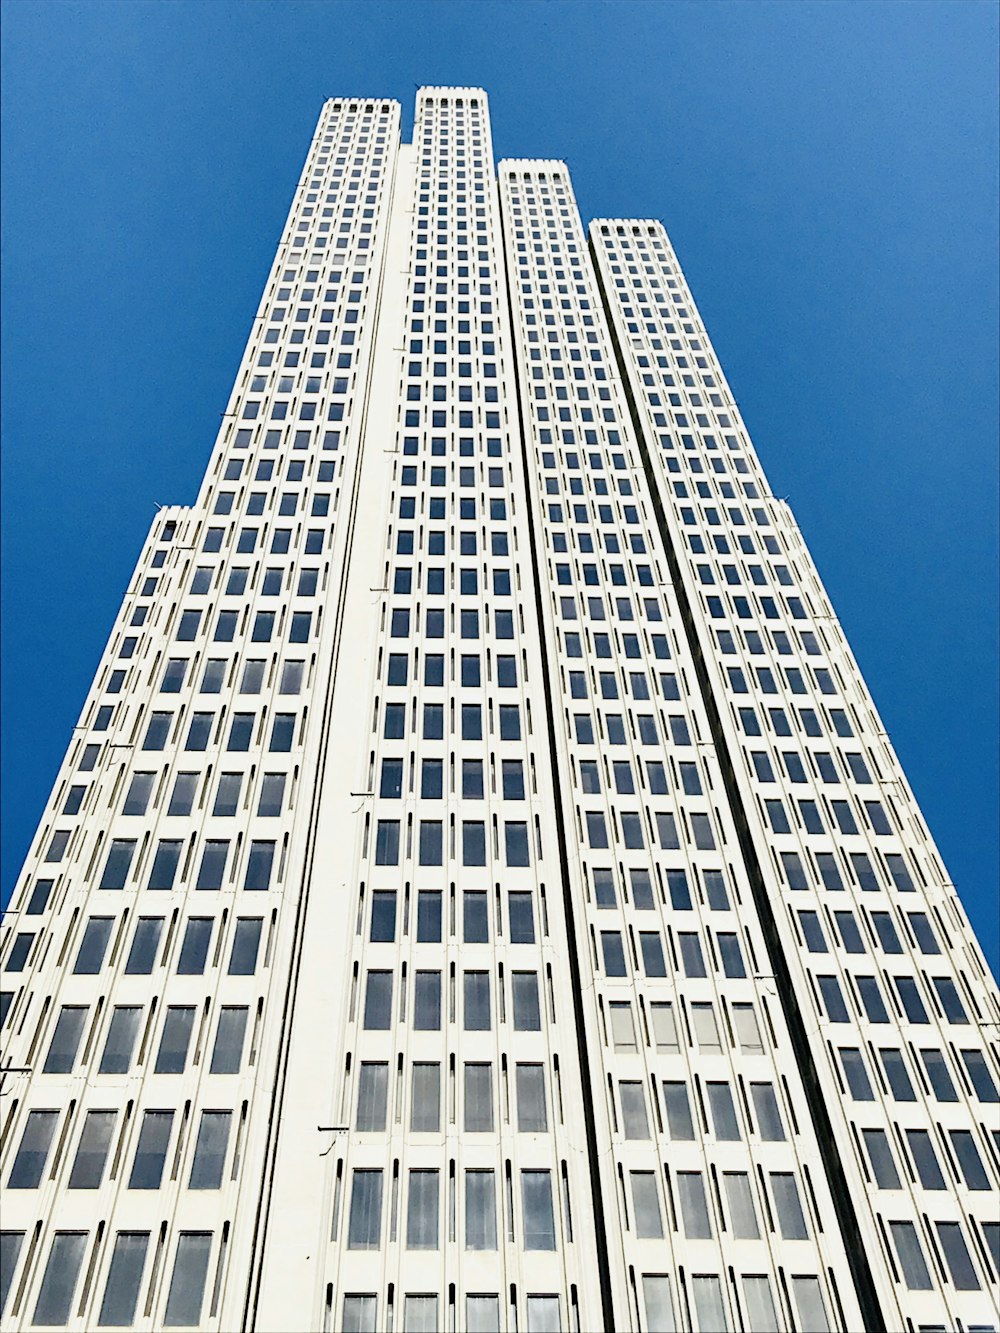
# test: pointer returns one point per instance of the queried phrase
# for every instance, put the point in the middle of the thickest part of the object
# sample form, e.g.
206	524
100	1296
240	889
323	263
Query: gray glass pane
61	1056
739	1197
524	990
480	1211
543	1314
59	1283
679	1123
210	1150
229	1038
365	1226
194	950
761	1314
925	1159
427	1001
531	1109
634	1120
373	1082
809	1304
956	1255
765	1103
710	1309
479	1098
786	1198
10	1248
694	1206
33	1151
359	1314
378	1001
123	1030
187	1284
172	1055
538	1218
476	1006
420	1315
246	942
720	1101
658	1303
911	1256
425	1108
881	1158
121	1293
646	1204
151	1151
482	1314
422	1211
93	946
92	1154
142	955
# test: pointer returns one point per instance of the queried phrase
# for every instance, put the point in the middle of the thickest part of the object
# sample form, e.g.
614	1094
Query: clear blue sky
827	172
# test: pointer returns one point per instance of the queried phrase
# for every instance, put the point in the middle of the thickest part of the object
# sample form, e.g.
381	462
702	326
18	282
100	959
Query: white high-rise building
479	893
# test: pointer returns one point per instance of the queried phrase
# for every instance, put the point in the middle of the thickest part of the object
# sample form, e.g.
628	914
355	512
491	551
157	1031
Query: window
62	1051
646	1205
911	1256
982	1079
227	1053
480	1211
92	1152
482	1314
33	1152
383	922
365	1225
194	950
425	1107
55	1297
246	942
259	866
694	1206
422	1211
420	1314
522	921
172	1055
543	1314
791	1221
210	1151
93	945
121	1293
151	1150
925	1159
427	1002
120	1043
428	917
476	997
678	1109
359	1314
378	1001
213	864
187	1284
720	1101
537	1216
658	1303
739	1197
387	842
768	1116
117	866
373	1082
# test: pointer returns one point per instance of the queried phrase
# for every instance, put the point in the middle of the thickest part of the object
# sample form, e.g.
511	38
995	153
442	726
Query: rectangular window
532	1115
537	1216
365	1225
55	1297
65	1043
123	1030
121	1292
33	1151
527	1014
373	1082
151	1150
378	1001
246	943
92	1152
194	949
480	1211
478	1099
739	1197
646	1205
210	1151
422	1226
476	997
425	1102
791	1219
227	1054
694	1206
172	1055
187	1284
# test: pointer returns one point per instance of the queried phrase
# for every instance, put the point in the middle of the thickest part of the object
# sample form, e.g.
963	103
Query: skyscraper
479	893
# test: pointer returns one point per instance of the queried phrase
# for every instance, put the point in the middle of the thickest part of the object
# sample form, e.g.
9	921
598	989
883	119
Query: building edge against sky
480	893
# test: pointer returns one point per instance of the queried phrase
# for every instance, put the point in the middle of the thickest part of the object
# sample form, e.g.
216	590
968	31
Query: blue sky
827	172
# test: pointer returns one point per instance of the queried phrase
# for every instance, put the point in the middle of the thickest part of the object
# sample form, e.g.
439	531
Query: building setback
480	893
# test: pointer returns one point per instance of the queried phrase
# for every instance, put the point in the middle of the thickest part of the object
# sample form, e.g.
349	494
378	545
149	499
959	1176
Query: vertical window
92	1153
537	1216
227	1053
530	1089
187	1284
151	1150
33	1151
55	1297
378	1001
10	1248
658	1303
646	1205
210	1151
739	1197
61	1055
119	860
116	1057
791	1219
246	942
365	1225
172	1055
634	1119
476	997
527	1015
809	1303
768	1116
480	1211
478	1099
425	1102
422	1211
694	1206
121	1292
359	1314
710	1307
910	1256
194	949
373	1082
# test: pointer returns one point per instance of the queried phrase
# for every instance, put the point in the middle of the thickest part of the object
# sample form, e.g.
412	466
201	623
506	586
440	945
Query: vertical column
883	980
709	1156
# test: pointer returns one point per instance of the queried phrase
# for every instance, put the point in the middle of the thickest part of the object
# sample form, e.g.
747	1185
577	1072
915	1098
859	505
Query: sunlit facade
480	893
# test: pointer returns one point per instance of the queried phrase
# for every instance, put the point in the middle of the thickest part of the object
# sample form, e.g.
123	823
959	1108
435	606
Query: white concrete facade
479	894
